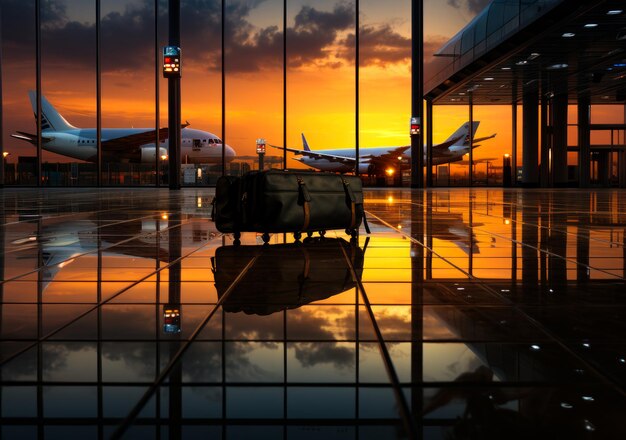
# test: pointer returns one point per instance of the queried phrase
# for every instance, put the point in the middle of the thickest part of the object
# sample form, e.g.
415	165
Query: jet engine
148	153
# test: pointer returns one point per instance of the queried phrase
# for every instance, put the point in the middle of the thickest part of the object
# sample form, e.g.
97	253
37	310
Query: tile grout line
601	375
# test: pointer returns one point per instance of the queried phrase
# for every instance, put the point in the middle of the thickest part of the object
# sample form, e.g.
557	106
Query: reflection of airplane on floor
61	242
446	226
119	144
450	227
381	160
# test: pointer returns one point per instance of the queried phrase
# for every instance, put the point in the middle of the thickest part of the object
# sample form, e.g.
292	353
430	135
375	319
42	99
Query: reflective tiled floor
482	314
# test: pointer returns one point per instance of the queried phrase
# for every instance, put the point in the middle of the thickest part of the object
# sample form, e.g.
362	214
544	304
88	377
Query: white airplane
381	160
120	144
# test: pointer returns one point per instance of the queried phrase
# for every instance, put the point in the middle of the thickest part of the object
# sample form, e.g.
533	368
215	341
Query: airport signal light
171	62
416	126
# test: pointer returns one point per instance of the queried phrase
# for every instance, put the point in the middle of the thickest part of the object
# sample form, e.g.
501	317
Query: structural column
429	143
471	139
1	119
584	141
417	91
99	98
530	170
38	116
284	79
621	155
559	135
514	136
544	135
356	94
173	89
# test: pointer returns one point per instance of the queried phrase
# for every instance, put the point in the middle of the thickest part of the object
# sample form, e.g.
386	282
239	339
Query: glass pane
321	52
254	83
68	77
201	147
128	93
384	79
18	77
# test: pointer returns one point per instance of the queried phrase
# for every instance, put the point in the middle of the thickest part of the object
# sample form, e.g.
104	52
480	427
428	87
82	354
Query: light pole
260	150
5	154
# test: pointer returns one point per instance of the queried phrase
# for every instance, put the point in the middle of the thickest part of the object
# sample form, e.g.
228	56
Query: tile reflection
498	309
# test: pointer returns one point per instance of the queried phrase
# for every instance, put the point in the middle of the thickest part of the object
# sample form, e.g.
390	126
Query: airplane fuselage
453	153
197	146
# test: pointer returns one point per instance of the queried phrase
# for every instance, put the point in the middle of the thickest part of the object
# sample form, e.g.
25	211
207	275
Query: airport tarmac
466	313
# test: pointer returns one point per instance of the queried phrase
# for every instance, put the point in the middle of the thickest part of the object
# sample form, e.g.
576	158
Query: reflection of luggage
288	201
285	276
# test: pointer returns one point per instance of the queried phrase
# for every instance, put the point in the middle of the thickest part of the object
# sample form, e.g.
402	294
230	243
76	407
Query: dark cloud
474	6
379	46
316	38
309	41
310	354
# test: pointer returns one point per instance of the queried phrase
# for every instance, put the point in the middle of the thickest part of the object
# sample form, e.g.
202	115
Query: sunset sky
321	85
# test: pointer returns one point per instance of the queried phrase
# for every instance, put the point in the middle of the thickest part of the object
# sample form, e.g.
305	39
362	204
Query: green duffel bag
289	201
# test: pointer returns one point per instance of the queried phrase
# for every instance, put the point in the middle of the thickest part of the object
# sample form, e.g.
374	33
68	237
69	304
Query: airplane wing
317	155
133	141
391	155
477	161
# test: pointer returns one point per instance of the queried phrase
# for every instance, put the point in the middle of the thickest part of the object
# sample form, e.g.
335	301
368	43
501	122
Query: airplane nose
230	153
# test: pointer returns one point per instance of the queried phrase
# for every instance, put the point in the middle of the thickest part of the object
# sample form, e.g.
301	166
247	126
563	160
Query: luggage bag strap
353	206
306	198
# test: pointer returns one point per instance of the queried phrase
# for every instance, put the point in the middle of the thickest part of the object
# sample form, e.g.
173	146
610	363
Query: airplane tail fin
462	134
305	144
51	119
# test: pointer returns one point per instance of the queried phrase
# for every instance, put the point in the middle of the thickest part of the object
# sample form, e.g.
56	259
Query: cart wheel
265	237
297	236
349	231
322	233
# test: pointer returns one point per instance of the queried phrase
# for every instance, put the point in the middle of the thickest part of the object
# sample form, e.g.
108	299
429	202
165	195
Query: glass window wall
244	99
